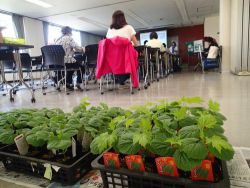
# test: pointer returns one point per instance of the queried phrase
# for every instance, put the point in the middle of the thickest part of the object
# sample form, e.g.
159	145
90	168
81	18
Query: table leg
20	75
3	79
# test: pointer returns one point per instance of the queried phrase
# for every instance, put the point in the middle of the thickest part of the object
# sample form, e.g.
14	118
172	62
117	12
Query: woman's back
126	32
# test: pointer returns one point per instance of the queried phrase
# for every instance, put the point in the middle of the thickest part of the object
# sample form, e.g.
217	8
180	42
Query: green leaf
99	144
225	154
188	121
7	136
129	122
68	133
145	124
142	138
159	146
192	100
34	141
217	130
189	132
194	148
43	135
213	106
180	114
175	140
185	163
59	144
219	143
103	142
207	121
125	145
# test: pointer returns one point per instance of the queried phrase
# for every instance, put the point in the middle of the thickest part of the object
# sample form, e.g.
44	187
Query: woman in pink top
120	27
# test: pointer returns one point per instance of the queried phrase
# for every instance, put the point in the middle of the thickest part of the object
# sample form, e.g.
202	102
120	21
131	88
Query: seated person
173	48
154	42
211	53
120	27
212	49
70	47
174	51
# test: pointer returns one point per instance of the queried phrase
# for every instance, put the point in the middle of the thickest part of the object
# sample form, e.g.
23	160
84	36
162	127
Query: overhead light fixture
40	3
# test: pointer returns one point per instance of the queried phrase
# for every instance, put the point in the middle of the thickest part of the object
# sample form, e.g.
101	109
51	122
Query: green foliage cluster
53	128
184	129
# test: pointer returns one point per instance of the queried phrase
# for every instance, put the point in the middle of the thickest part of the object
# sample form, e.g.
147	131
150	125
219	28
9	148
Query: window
6	21
77	37
54	33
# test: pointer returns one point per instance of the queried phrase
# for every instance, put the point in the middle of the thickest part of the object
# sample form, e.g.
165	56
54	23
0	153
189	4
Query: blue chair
214	63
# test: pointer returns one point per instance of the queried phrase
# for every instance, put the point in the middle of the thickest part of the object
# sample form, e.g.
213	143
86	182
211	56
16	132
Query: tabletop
5	46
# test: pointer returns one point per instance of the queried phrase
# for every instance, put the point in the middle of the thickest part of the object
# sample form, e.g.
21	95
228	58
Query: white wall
33	31
212	27
225	33
235	36
240	37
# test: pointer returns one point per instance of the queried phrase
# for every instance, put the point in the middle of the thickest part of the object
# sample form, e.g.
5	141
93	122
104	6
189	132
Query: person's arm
134	40
74	45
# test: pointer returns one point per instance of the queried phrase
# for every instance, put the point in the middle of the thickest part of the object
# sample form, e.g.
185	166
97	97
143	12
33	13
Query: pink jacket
118	56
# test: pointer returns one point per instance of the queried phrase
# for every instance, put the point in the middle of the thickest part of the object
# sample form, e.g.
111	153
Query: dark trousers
121	78
70	73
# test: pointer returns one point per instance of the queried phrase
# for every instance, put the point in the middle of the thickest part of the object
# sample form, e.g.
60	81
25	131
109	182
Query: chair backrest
53	55
8	59
37	60
91	52
25	61
141	52
152	53
80	57
6	55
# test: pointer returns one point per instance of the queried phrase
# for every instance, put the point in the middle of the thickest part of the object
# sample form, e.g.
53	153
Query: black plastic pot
124	178
67	174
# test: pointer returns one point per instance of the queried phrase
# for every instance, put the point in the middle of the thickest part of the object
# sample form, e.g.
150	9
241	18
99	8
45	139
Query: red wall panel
186	34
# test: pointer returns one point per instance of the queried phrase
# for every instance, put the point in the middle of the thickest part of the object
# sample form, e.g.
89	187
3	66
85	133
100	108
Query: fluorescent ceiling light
40	3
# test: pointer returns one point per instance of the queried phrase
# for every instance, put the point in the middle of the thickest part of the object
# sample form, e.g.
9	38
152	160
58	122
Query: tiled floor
232	92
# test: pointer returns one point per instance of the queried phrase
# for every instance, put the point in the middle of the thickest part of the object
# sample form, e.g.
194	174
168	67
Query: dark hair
173	42
164	45
153	35
118	20
145	42
211	40
66	30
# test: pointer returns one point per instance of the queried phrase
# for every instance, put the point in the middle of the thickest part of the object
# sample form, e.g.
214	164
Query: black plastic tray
123	178
67	174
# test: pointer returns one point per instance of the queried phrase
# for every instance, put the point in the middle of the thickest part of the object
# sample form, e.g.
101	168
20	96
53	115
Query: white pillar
225	33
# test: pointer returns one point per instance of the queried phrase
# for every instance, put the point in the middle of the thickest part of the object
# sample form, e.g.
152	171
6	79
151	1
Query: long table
16	51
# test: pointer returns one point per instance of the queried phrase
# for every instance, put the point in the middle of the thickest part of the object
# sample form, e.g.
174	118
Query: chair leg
42	83
114	84
85	77
65	86
131	86
101	89
82	79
